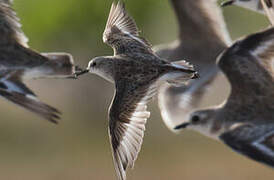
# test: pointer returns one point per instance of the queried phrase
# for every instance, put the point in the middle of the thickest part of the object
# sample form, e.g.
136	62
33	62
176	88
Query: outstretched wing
121	31
128	116
255	142
248	66
12	89
176	103
10	28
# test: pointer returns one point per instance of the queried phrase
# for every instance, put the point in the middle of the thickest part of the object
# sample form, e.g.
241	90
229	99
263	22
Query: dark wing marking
176	103
121	29
256	143
10	28
268	8
12	89
247	64
128	116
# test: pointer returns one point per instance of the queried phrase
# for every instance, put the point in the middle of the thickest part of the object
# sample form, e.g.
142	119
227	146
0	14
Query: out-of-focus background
78	148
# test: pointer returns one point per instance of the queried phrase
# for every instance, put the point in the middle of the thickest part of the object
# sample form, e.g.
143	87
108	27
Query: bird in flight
261	6
18	62
200	40
136	72
245	122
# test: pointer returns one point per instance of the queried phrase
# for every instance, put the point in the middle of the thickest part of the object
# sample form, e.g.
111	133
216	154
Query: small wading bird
136	72
19	62
245	122
201	25
261	6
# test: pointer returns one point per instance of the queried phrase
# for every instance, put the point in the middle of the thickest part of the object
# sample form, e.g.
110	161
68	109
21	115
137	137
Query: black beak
182	126
81	73
78	72
227	3
196	75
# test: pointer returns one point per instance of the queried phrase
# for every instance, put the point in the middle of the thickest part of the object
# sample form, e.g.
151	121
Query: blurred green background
78	148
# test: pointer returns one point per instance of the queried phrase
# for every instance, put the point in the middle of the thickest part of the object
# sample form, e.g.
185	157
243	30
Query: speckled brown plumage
137	72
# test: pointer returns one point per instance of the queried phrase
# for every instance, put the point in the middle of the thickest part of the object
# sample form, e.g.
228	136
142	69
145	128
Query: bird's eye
195	119
93	64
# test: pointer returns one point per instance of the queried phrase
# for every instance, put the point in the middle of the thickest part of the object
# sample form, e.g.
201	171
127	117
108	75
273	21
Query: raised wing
121	31
128	116
12	89
176	103
255	142
248	66
10	28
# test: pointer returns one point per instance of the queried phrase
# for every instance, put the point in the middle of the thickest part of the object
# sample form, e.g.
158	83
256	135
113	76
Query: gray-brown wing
248	66
121	31
201	25
14	90
128	115
10	28
255	142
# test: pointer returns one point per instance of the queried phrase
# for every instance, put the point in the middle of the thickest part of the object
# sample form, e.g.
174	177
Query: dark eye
93	64
195	119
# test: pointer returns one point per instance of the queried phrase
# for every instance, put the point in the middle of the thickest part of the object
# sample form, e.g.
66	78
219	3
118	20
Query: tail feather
61	64
183	65
183	71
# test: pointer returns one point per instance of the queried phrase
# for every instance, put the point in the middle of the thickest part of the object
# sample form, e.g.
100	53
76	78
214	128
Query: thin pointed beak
182	126
81	73
227	3
196	75
78	71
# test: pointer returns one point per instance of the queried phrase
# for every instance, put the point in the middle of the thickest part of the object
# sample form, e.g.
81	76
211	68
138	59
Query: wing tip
33	104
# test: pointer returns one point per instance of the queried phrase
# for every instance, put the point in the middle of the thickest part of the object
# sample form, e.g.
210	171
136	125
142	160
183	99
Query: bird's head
201	121
102	66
